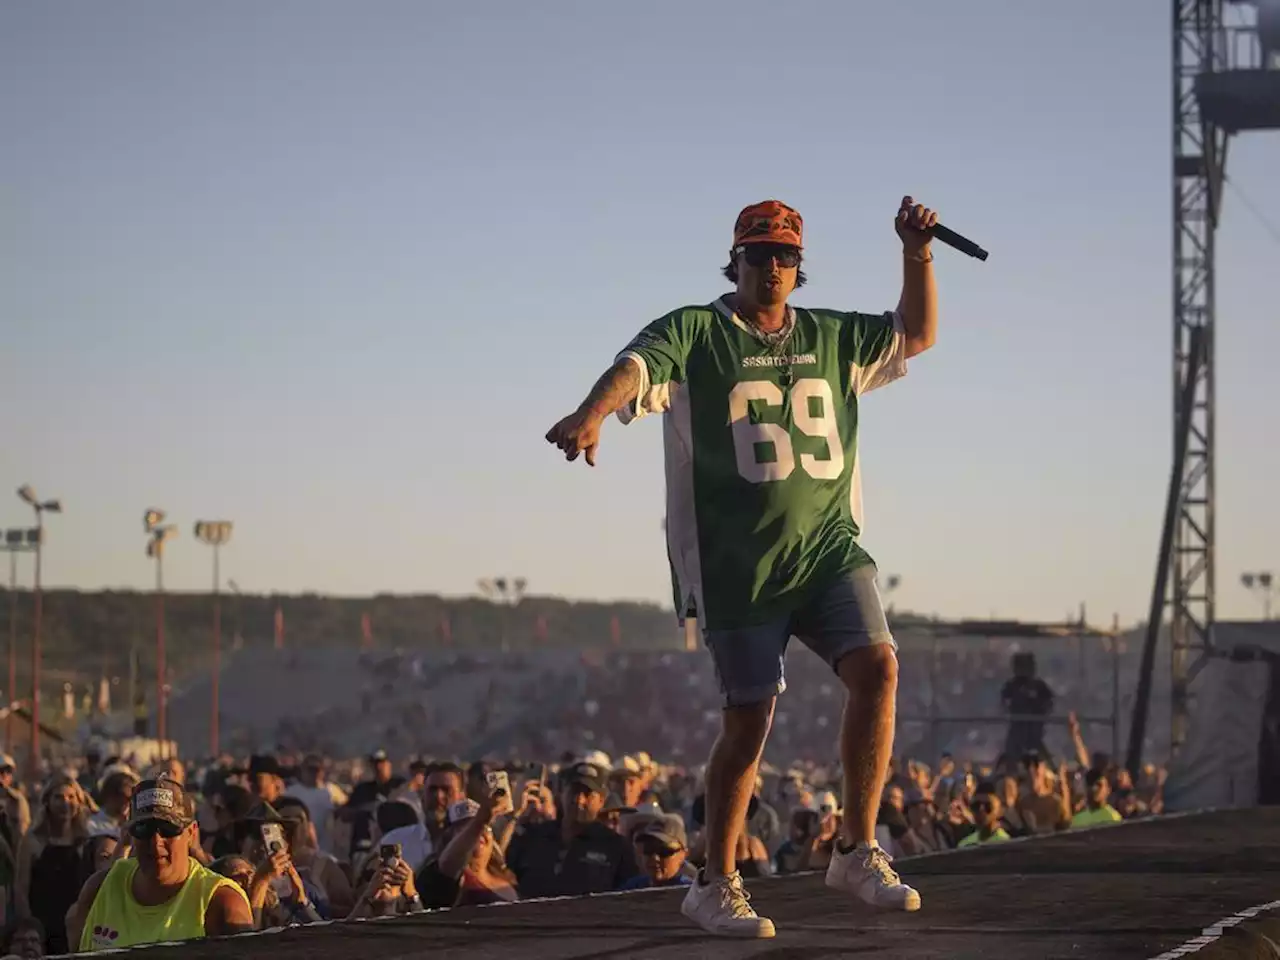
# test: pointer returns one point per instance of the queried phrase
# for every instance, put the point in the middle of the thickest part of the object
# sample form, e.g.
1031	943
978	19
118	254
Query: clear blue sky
331	270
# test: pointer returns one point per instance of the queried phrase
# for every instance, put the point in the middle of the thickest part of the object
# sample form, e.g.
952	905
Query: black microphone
953	239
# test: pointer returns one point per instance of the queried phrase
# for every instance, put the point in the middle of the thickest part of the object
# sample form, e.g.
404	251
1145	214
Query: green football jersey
763	494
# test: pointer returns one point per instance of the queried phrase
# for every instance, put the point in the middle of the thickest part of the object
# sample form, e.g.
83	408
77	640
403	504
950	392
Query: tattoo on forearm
617	387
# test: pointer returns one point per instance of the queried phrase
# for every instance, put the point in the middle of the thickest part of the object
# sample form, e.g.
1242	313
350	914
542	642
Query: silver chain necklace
776	340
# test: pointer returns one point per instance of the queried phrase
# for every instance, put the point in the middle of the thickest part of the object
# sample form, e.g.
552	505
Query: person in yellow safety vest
987	811
161	894
1096	809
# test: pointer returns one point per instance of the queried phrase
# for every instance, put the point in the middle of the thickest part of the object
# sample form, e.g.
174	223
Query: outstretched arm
616	388
580	431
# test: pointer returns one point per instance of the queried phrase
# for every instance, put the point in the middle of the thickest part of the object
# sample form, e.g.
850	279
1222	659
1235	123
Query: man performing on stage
763	517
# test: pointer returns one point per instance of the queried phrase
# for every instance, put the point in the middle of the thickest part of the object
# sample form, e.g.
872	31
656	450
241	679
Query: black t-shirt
596	861
373	792
1027	695
359	811
438	890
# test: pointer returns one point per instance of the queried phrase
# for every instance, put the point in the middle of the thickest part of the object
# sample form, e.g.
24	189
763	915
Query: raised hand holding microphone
914	224
912	215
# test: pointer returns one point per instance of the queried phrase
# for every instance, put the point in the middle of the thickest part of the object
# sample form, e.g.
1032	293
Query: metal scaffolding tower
1224	81
1199	158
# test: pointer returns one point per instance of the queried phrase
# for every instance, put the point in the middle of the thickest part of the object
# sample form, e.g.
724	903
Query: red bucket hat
769	222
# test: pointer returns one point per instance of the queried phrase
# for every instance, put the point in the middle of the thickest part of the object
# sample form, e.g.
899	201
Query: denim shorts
848	615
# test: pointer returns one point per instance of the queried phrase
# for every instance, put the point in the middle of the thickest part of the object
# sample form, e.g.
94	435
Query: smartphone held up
389	854
272	838
500	789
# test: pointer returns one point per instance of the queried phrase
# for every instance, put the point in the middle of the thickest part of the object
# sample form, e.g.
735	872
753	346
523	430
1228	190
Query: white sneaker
721	906
865	872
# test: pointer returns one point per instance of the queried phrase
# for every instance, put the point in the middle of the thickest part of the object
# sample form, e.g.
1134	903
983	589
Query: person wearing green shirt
988	809
1096	808
761	406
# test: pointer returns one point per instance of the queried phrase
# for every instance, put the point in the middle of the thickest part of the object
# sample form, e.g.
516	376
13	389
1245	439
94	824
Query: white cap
99	828
599	758
628	764
118	768
827	803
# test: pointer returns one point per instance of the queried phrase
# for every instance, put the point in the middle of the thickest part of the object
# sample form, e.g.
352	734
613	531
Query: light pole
215	533
41	507
15	542
237	639
1261	582
158	532
891	583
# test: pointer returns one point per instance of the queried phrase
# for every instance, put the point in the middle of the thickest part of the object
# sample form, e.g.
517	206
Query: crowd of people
103	854
522	704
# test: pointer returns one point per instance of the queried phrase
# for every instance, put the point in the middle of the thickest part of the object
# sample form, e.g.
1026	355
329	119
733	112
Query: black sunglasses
146	829
658	850
759	254
983	807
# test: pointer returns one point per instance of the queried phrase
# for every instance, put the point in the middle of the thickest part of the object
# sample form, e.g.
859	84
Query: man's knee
870	670
747	725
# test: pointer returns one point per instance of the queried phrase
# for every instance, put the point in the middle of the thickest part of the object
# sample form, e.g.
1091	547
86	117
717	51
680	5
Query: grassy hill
88	633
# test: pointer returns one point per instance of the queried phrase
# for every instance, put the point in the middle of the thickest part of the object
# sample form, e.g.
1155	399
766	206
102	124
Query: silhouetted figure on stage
1026	695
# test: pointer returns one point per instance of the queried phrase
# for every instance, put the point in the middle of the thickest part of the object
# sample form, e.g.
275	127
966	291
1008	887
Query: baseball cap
669	830
7	762
589	775
628	766
161	799
599	758
642	816
769	222
614	803
378	756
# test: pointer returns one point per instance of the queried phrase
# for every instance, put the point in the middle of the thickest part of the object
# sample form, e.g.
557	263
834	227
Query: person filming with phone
391	890
277	892
469	870
575	854
162	893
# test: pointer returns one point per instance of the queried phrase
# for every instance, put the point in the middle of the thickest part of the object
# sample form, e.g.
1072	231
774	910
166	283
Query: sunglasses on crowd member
983	806
759	254
146	829
654	849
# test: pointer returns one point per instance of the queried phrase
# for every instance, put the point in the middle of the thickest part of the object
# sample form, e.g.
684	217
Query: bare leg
731	780
866	736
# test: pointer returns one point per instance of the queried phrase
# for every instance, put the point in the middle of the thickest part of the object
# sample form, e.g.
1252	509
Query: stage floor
1133	891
